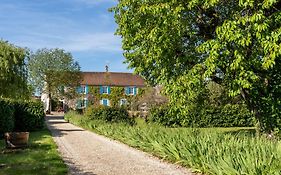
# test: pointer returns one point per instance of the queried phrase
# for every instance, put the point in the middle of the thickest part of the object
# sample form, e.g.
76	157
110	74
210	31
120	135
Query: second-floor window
131	90
105	90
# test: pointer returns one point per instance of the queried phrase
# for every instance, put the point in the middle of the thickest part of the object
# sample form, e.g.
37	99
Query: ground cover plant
209	150
41	157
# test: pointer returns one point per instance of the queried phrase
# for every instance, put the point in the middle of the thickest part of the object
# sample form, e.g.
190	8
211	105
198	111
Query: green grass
218	151
40	158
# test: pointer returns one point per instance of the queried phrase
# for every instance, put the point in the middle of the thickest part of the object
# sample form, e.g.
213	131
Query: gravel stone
87	153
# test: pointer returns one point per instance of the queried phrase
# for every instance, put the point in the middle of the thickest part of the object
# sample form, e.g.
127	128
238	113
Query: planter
16	139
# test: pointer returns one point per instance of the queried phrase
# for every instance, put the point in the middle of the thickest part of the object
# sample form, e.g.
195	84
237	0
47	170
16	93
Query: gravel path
87	153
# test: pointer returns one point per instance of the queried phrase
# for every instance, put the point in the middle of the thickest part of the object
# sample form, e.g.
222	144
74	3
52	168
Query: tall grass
209	151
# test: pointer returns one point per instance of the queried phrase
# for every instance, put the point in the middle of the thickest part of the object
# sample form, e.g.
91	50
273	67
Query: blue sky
83	27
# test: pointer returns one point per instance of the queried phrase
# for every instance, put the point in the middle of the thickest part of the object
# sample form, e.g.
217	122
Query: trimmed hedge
7	120
110	114
29	115
21	115
229	115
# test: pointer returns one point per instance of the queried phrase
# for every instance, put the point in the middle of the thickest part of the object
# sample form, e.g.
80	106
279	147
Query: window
131	90
84	89
82	103
105	102
123	102
105	90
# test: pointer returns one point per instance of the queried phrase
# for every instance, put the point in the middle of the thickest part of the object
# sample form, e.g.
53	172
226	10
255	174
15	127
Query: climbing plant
116	94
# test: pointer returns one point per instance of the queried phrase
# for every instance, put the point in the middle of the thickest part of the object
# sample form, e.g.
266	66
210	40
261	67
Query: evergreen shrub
110	114
29	115
229	115
21	115
6	117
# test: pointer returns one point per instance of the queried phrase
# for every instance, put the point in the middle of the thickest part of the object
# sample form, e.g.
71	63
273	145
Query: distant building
108	88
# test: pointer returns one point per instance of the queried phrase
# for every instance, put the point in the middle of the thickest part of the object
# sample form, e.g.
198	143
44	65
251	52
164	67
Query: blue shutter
128	91
108	89
86	89
135	90
79	89
100	89
104	102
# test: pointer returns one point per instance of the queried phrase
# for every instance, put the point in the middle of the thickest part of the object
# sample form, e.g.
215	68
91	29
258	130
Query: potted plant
16	139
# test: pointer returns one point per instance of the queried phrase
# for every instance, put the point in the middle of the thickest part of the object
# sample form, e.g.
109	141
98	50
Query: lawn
40	158
210	150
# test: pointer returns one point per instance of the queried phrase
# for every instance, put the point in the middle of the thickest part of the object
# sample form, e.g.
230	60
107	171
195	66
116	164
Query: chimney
106	68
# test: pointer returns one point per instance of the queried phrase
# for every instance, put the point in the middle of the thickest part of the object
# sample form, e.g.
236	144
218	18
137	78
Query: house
109	89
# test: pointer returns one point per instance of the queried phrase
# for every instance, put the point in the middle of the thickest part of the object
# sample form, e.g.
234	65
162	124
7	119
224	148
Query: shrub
229	115
6	117
110	114
29	115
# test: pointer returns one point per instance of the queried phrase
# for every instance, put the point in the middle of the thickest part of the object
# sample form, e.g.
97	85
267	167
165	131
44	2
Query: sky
83	27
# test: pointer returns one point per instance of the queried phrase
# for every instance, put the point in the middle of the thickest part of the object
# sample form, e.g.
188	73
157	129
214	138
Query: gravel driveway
90	154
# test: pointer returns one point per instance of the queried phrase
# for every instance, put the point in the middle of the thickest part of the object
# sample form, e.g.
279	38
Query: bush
229	115
6	117
110	114
29	115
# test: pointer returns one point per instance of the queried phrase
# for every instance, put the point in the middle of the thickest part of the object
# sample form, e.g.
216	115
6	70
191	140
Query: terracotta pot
16	139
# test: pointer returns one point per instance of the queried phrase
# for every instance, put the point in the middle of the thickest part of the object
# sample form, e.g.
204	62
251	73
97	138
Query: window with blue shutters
131	90
104	90
105	102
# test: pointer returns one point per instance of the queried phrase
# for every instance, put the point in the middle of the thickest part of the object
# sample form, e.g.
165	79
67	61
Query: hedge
229	115
110	114
21	115
7	120
29	115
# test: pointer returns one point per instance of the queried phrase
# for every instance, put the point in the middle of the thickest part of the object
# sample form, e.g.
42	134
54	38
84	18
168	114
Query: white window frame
108	102
83	89
84	100
107	89
133	90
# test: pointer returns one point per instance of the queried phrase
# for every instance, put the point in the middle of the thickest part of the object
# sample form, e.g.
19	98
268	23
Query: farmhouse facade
108	89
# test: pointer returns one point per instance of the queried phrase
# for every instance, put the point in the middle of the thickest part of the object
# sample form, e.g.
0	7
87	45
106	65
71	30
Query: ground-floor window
105	102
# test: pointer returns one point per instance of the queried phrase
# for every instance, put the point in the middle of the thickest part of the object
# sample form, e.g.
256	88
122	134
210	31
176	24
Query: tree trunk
49	110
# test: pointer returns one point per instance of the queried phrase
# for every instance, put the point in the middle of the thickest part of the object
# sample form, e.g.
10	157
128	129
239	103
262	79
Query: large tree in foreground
54	72
184	43
13	74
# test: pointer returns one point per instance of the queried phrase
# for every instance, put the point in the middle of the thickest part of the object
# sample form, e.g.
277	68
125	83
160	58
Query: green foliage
209	151
13	74
110	114
181	44
6	117
29	115
116	94
230	115
52	70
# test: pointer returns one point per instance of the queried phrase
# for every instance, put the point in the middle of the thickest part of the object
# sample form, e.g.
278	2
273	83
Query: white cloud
94	42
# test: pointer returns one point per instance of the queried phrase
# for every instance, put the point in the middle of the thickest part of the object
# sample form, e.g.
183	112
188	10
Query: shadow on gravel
76	170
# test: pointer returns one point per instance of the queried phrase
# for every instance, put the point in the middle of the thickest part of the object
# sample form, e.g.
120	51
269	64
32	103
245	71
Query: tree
184	44
53	71
13	74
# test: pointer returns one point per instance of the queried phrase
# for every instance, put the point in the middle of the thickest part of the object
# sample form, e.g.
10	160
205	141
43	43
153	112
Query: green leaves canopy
182	44
53	69
13	74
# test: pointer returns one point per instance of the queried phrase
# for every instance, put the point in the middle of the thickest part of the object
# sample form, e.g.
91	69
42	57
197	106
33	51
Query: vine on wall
116	94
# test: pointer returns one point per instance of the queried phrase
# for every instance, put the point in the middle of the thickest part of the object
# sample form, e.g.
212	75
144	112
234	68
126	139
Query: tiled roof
112	79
